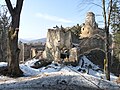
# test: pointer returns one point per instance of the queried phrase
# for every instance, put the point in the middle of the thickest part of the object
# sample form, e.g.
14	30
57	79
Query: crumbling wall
24	51
59	46
57	39
31	50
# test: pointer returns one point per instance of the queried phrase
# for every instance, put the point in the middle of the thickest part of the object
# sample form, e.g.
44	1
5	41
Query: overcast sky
39	15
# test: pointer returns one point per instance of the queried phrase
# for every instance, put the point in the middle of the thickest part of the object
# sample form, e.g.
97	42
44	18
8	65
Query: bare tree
107	45
4	23
13	50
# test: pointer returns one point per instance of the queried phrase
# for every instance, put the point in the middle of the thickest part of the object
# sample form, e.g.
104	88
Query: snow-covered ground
94	70
86	70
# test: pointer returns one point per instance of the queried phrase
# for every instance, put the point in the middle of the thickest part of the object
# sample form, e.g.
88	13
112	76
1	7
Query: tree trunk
13	50
13	62
107	43
107	54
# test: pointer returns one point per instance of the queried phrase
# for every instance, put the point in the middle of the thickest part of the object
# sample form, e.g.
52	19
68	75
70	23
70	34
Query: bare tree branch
104	13
96	4
9	5
109	14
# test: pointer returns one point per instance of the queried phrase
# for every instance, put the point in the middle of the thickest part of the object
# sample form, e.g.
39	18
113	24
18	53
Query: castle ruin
59	45
61	41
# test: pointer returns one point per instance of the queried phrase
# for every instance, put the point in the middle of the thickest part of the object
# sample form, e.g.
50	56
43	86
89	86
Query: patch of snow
49	68
3	64
94	70
31	62
28	71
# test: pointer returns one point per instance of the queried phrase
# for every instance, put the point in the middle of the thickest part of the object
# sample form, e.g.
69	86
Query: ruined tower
89	26
90	18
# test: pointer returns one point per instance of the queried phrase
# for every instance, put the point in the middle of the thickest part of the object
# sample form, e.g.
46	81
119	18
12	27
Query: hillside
59	77
43	40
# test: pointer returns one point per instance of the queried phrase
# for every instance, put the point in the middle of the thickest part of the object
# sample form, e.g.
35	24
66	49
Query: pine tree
115	25
115	16
4	23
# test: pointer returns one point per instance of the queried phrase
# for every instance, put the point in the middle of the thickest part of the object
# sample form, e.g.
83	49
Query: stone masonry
60	45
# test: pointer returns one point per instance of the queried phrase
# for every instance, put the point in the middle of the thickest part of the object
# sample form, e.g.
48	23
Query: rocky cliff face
94	42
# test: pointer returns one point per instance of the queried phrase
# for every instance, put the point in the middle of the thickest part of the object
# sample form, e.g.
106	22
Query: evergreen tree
4	24
115	16
115	25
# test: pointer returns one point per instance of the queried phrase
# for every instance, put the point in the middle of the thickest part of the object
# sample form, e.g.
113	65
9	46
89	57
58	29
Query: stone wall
58	37
59	46
24	51
56	40
28	51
